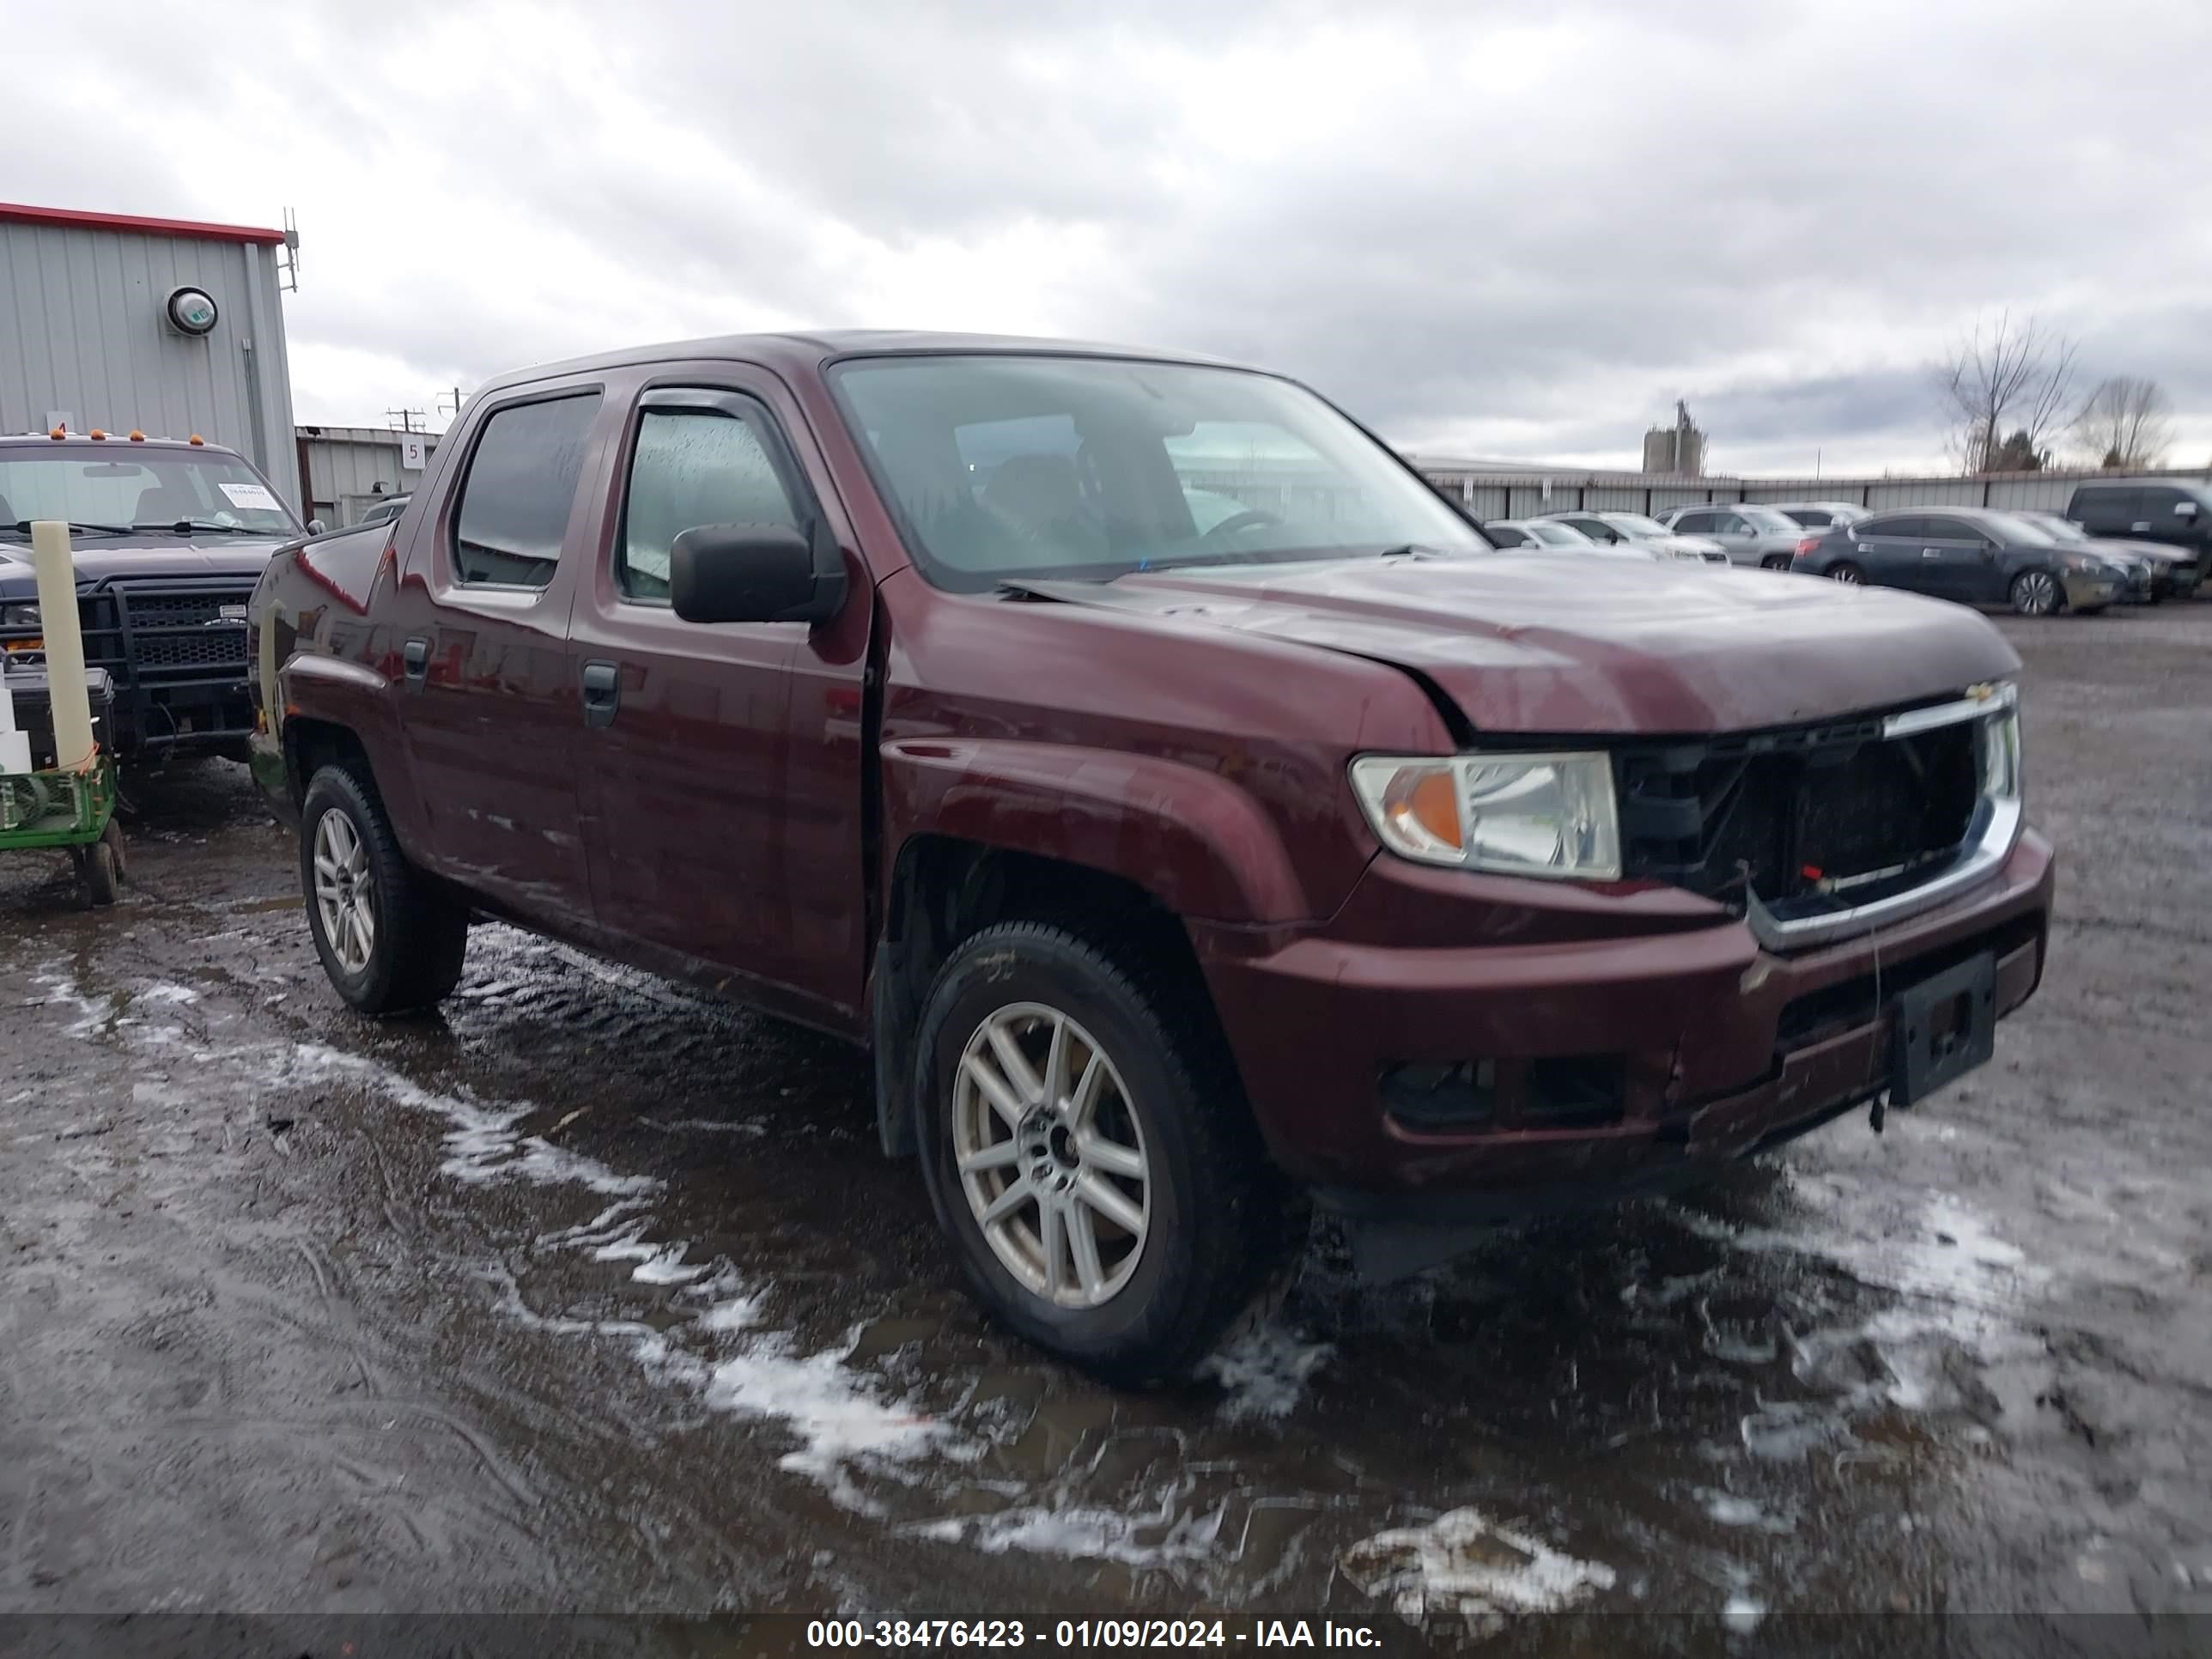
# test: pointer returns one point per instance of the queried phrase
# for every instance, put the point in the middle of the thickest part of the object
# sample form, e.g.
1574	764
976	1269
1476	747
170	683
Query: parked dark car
1749	533
1970	554
2155	572
2155	510
887	681
170	538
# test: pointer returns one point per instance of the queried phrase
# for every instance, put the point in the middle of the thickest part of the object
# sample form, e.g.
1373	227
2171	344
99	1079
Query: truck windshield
138	489
1005	466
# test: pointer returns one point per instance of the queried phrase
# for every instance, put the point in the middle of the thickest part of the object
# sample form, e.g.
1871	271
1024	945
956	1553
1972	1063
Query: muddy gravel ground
595	1294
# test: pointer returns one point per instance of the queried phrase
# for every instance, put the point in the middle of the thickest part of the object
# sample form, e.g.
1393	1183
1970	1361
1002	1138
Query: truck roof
809	350
113	440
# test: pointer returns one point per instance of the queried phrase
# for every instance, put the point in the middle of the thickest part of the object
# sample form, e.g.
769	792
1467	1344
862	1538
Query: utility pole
449	403
406	420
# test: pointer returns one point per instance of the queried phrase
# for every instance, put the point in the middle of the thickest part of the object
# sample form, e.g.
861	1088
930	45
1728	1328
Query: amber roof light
97	435
137	436
195	439
58	433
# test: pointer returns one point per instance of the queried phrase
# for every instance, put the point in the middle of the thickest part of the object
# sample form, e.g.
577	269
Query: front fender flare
1195	839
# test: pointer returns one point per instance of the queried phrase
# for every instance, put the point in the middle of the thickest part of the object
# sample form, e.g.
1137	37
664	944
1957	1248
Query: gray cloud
1520	229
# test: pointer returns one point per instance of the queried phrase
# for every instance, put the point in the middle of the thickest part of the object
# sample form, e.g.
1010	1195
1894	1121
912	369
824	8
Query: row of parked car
2115	543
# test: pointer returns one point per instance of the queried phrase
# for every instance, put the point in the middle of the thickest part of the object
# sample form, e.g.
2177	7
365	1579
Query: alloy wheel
1051	1156
2036	594
345	892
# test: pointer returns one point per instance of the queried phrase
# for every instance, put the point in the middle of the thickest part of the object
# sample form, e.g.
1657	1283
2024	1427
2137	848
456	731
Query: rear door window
1901	526
520	487
691	467
1694	523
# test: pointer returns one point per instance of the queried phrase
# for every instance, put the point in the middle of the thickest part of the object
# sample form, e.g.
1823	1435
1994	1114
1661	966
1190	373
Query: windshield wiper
23	527
202	527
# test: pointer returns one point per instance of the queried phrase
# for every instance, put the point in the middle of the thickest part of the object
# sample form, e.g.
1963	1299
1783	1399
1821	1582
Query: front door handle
602	693
415	655
1931	552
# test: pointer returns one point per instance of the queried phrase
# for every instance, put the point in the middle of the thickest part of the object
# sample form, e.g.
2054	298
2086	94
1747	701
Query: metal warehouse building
165	326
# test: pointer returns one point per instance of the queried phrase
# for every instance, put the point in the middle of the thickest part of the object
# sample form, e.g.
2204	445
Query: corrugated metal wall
344	465
82	331
1518	496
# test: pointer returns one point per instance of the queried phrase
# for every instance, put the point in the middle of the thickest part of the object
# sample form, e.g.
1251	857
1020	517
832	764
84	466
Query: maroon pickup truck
1195	814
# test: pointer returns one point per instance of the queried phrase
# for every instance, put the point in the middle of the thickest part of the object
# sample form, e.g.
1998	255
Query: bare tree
2006	376
2122	424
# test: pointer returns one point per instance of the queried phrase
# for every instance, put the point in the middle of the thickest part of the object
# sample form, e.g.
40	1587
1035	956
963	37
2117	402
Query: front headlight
18	615
1518	815
2087	564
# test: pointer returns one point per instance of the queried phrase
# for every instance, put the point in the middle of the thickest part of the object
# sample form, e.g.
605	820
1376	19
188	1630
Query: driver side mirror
2184	509
316	527
752	573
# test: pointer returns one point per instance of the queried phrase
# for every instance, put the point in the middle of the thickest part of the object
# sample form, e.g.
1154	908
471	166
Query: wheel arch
945	889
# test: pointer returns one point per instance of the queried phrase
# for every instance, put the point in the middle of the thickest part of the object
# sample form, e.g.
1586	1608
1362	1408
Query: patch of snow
1163	1538
1463	1564
1742	1612
1264	1372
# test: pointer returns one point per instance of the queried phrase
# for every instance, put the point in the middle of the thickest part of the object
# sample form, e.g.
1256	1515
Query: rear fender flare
359	699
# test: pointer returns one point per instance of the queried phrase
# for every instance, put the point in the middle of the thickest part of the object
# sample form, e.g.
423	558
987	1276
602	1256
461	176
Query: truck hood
104	558
1545	645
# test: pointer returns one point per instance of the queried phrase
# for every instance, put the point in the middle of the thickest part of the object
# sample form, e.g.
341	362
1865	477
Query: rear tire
1115	1209
1848	573
392	941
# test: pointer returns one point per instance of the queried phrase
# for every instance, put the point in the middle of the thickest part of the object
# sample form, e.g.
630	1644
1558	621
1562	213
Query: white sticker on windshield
251	495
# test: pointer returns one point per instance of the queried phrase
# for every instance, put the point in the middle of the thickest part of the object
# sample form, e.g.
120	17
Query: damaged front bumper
1607	1043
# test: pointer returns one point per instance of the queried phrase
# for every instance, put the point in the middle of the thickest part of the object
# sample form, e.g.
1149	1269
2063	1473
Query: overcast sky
1506	229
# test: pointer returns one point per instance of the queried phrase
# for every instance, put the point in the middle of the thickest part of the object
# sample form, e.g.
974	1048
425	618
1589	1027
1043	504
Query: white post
57	623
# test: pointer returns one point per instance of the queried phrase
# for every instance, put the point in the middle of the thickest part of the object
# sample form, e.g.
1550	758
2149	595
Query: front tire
390	941
1090	1156
1848	573
2037	593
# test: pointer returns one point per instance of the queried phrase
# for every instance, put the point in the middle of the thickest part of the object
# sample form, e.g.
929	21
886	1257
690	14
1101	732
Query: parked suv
2178	514
1175	873
170	538
1750	534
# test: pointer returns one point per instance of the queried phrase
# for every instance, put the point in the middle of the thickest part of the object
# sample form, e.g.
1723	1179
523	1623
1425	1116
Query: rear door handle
1931	552
415	654
602	693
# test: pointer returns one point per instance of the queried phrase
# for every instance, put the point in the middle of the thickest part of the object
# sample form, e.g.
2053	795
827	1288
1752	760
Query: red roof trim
72	218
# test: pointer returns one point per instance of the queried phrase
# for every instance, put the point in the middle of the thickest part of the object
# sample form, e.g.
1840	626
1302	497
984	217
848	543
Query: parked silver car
1612	529
1821	517
1751	533
1552	536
